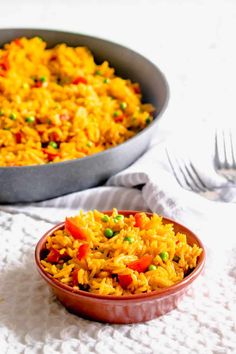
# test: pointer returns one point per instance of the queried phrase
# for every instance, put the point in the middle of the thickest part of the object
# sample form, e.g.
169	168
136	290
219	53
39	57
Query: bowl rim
143	296
148	128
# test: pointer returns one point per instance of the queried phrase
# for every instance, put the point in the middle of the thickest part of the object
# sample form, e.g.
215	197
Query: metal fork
188	177
186	174
225	154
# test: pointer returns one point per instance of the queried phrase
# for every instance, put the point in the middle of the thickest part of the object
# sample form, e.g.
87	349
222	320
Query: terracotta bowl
121	309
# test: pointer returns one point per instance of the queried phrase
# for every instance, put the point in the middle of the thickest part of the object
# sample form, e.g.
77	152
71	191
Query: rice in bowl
118	255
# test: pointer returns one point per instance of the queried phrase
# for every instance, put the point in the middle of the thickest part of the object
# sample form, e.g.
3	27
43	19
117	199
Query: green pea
123	105
148	120
12	116
105	218
116	114
106	80
108	233
129	239
119	217
53	144
43	79
1	113
152	267
98	72
89	144
30	119
164	256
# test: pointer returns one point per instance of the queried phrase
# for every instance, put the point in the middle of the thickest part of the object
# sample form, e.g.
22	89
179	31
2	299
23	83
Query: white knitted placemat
32	321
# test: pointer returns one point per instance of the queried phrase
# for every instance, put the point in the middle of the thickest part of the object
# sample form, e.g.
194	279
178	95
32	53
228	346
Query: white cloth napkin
31	320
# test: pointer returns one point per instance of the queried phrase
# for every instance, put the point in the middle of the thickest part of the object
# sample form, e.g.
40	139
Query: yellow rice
109	258
58	104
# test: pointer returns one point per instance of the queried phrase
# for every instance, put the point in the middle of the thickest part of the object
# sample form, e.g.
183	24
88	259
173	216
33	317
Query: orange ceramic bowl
121	309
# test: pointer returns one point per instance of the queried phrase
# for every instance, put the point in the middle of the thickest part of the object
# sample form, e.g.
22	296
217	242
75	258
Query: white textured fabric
31	319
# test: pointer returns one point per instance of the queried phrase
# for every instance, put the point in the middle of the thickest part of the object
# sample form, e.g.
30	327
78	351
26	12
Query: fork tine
188	179
173	169
224	153
233	150
201	182
219	150
228	149
225	161
216	156
192	175
182	174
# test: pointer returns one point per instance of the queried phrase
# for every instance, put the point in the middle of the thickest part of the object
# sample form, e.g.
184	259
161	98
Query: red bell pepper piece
18	137
53	256
38	84
53	57
79	80
55	136
76	231
50	154
17	41
138	220
4	66
136	89
83	251
4	63
124	280
119	118
141	264
75	277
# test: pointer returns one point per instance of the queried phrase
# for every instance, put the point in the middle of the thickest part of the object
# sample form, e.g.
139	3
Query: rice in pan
58	104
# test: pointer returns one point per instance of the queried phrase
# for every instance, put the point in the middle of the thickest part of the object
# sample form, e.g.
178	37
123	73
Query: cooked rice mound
58	104
117	255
